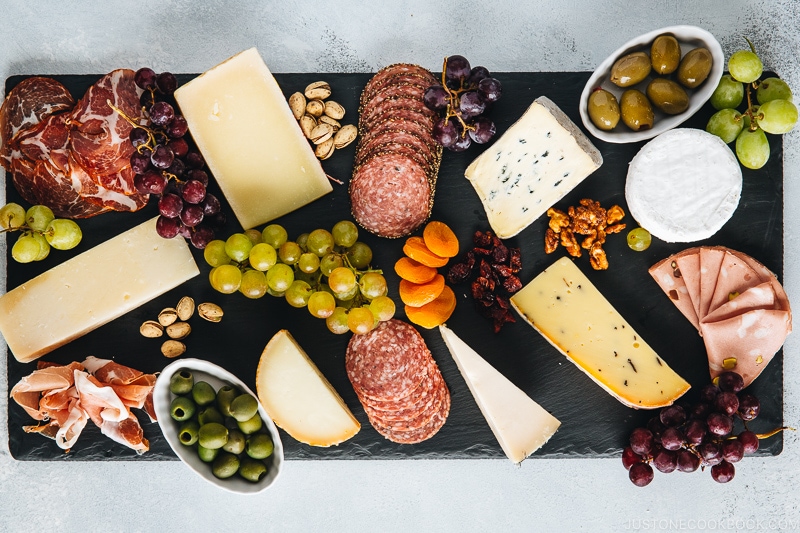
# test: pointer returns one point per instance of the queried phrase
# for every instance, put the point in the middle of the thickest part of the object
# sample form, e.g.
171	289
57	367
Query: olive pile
635	107
223	426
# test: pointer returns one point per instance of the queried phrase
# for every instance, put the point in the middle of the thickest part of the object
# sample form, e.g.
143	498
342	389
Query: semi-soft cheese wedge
92	289
520	425
250	140
297	396
563	305
535	163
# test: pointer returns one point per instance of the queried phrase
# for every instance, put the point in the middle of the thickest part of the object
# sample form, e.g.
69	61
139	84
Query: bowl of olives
651	84
217	427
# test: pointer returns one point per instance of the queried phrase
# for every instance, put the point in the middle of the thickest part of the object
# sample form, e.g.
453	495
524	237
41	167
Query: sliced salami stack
398	383
737	305
397	160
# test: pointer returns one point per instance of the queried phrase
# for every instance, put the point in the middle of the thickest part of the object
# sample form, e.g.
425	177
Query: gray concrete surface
481	495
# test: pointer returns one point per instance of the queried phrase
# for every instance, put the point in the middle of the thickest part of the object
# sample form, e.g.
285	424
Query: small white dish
688	37
216	377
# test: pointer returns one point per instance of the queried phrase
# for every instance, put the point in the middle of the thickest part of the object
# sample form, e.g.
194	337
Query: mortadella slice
670	278
735	277
710	263
762	296
689	265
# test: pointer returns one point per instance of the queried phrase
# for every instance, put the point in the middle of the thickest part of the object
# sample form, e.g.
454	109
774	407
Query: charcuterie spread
143	180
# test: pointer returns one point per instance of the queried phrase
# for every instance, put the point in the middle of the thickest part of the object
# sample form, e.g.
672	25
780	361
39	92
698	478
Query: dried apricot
413	271
434	313
440	239
415	249
419	294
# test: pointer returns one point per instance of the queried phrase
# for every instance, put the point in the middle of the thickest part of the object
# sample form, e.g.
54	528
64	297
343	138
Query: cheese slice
520	425
92	289
297	396
250	140
563	305
533	165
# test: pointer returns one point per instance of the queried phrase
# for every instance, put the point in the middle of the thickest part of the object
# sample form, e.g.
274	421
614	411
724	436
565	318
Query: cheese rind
563	305
520	425
250	140
92	289
297	396
533	165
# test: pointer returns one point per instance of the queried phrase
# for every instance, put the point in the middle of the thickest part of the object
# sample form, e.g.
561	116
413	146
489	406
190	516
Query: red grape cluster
464	94
166	167
687	439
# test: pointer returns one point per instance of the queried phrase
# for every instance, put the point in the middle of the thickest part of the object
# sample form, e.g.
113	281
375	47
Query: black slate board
593	423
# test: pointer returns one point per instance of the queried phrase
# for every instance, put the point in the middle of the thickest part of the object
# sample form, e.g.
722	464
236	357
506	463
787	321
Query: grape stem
454	95
774	432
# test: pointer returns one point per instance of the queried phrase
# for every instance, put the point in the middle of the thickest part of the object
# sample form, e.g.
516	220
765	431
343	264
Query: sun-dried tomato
485	269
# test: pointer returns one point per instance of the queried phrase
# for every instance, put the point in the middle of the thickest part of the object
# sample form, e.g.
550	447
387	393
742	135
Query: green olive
637	113
225	396
187	434
630	69
251	426
225	465
212	435
210	414
207	454
665	54
243	407
667	96
695	67
181	382
236	442
603	109
203	393
252	470
259	446
182	408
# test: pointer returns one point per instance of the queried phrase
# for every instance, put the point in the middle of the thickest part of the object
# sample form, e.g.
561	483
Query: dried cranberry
458	273
515	260
500	254
512	284
502	270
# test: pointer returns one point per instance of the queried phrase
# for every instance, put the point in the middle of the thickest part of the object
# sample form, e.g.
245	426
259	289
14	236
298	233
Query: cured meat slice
425	432
761	296
372	112
735	276
765	274
689	266
394	70
710	263
670	278
43	382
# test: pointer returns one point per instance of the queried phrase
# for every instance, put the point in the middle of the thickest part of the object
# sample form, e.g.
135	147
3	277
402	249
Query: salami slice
425	432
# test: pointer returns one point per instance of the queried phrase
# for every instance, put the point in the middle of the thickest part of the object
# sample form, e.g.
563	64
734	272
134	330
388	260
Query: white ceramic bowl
216	377
688	37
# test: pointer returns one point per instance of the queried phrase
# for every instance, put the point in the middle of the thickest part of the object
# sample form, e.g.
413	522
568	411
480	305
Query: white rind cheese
92	289
520	425
533	165
297	396
684	185
563	305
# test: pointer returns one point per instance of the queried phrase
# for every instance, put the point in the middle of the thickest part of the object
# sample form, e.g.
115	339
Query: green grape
329	262
725	124
38	217
215	254
280	277
382	308
238	247
779	116
301	241
298	293
226	279
752	148
44	247
274	235
345	233
337	322
254	284
347	296
341	280
372	285
12	216
276	294
728	94
63	234
263	256
773	89
308	263
26	249
320	241
745	66
254	235
289	252
360	255
360	320
321	304
639	239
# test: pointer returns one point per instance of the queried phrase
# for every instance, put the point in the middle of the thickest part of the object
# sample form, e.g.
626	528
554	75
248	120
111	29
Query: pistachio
325	119
345	136
319	90
321	133
185	308
167	316
297	103
324	150
179	330
334	110
307	123
315	108
210	312
151	329
173	348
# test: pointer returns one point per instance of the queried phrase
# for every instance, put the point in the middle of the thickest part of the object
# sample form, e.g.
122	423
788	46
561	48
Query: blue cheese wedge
520	425
533	165
563	305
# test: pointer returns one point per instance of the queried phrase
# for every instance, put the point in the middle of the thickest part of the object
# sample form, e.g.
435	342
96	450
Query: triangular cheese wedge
520	425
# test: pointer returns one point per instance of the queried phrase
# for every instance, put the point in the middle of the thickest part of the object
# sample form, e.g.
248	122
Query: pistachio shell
151	329
334	110
315	108
325	119
185	308
210	312
179	330
321	133
307	123
173	348
324	150
297	103
319	90
345	136
167	316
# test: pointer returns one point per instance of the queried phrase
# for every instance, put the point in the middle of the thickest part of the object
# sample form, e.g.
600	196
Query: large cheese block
520	425
250	140
297	396
563	305
92	289
533	165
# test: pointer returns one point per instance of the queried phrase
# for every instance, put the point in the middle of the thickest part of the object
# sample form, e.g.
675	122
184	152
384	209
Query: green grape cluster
40	229
327	272
772	111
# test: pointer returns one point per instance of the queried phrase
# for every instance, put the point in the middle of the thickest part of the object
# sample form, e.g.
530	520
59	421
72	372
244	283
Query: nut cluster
319	119
588	219
175	322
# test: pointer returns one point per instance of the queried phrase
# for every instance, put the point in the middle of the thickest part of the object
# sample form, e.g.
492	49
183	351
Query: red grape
471	104
641	441
138	137
177	167
140	162
166	83
170	205
673	415
490	90
719	424
199	175
162	157
145	78
457	68
749	406
687	461
630	458
483	130
195	160
435	98
672	439
179	147
210	204
665	461
641	474
167	227
445	132
711	452
709	393
462	143
194	192
730	382
191	215
749	441
723	472
695	431
476	74
177	127
727	402
201	236
732	450
151	182
161	113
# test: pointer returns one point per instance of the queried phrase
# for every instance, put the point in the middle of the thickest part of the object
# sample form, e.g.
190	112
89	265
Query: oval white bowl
216	376
689	37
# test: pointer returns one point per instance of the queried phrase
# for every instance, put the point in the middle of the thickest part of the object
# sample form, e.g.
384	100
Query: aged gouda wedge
250	140
92	289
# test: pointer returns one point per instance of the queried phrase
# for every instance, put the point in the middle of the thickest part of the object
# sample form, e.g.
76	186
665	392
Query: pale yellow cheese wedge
297	396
